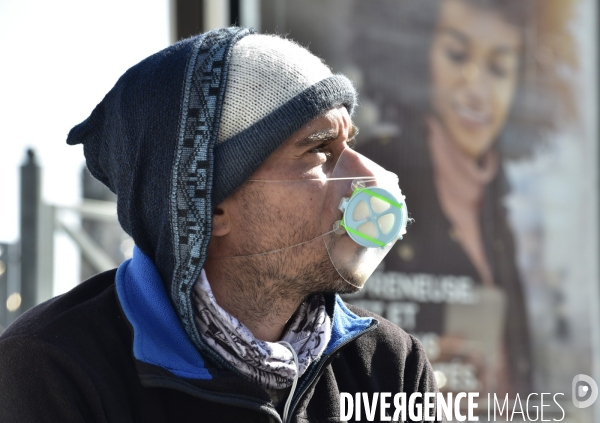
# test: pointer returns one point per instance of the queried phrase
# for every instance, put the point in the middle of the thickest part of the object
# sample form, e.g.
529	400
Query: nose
470	71
354	167
476	84
353	164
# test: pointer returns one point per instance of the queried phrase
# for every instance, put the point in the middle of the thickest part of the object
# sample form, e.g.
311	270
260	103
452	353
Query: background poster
534	318
486	110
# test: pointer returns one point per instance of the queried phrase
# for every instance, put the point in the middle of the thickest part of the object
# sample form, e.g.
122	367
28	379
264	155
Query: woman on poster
467	84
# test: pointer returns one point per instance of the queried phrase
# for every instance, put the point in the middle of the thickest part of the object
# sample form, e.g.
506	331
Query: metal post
45	266
3	284
188	18
215	14
10	297
30	214
100	236
249	14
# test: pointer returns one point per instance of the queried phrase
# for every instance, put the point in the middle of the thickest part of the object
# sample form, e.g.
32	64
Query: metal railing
39	224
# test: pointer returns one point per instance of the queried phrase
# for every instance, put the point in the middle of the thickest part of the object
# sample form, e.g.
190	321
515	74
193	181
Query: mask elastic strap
360	178
273	251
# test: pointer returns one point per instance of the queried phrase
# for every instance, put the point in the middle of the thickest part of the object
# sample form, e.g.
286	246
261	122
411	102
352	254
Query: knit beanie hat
274	87
183	129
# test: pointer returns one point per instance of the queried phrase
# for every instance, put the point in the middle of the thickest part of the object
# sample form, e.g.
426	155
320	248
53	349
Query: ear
221	223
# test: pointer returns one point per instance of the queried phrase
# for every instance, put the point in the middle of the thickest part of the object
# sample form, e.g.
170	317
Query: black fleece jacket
70	360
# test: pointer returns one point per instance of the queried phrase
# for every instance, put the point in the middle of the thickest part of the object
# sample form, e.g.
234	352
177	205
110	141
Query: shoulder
90	301
391	337
40	382
392	359
53	357
86	325
83	325
82	329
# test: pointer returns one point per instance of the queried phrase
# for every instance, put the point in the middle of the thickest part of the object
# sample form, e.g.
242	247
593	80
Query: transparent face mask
350	218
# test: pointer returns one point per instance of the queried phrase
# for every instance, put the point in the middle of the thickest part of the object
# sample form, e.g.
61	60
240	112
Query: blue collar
158	335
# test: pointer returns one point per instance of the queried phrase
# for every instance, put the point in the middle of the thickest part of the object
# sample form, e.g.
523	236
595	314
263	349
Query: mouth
472	118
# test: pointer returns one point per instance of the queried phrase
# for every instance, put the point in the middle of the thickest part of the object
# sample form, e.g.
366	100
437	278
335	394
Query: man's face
292	210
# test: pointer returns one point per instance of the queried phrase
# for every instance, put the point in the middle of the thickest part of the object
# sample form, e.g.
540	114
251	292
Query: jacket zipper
325	361
225	399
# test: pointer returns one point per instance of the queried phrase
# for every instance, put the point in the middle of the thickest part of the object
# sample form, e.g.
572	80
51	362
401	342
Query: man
223	151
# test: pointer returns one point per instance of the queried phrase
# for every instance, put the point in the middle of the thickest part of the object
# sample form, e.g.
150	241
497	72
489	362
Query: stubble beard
270	269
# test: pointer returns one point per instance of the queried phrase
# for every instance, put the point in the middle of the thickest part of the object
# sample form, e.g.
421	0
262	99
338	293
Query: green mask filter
373	217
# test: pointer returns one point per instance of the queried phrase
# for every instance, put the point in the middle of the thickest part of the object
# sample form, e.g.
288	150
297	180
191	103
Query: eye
498	70
324	155
323	148
319	149
456	56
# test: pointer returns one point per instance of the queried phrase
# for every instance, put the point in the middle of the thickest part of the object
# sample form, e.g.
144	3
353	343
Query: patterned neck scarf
268	364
